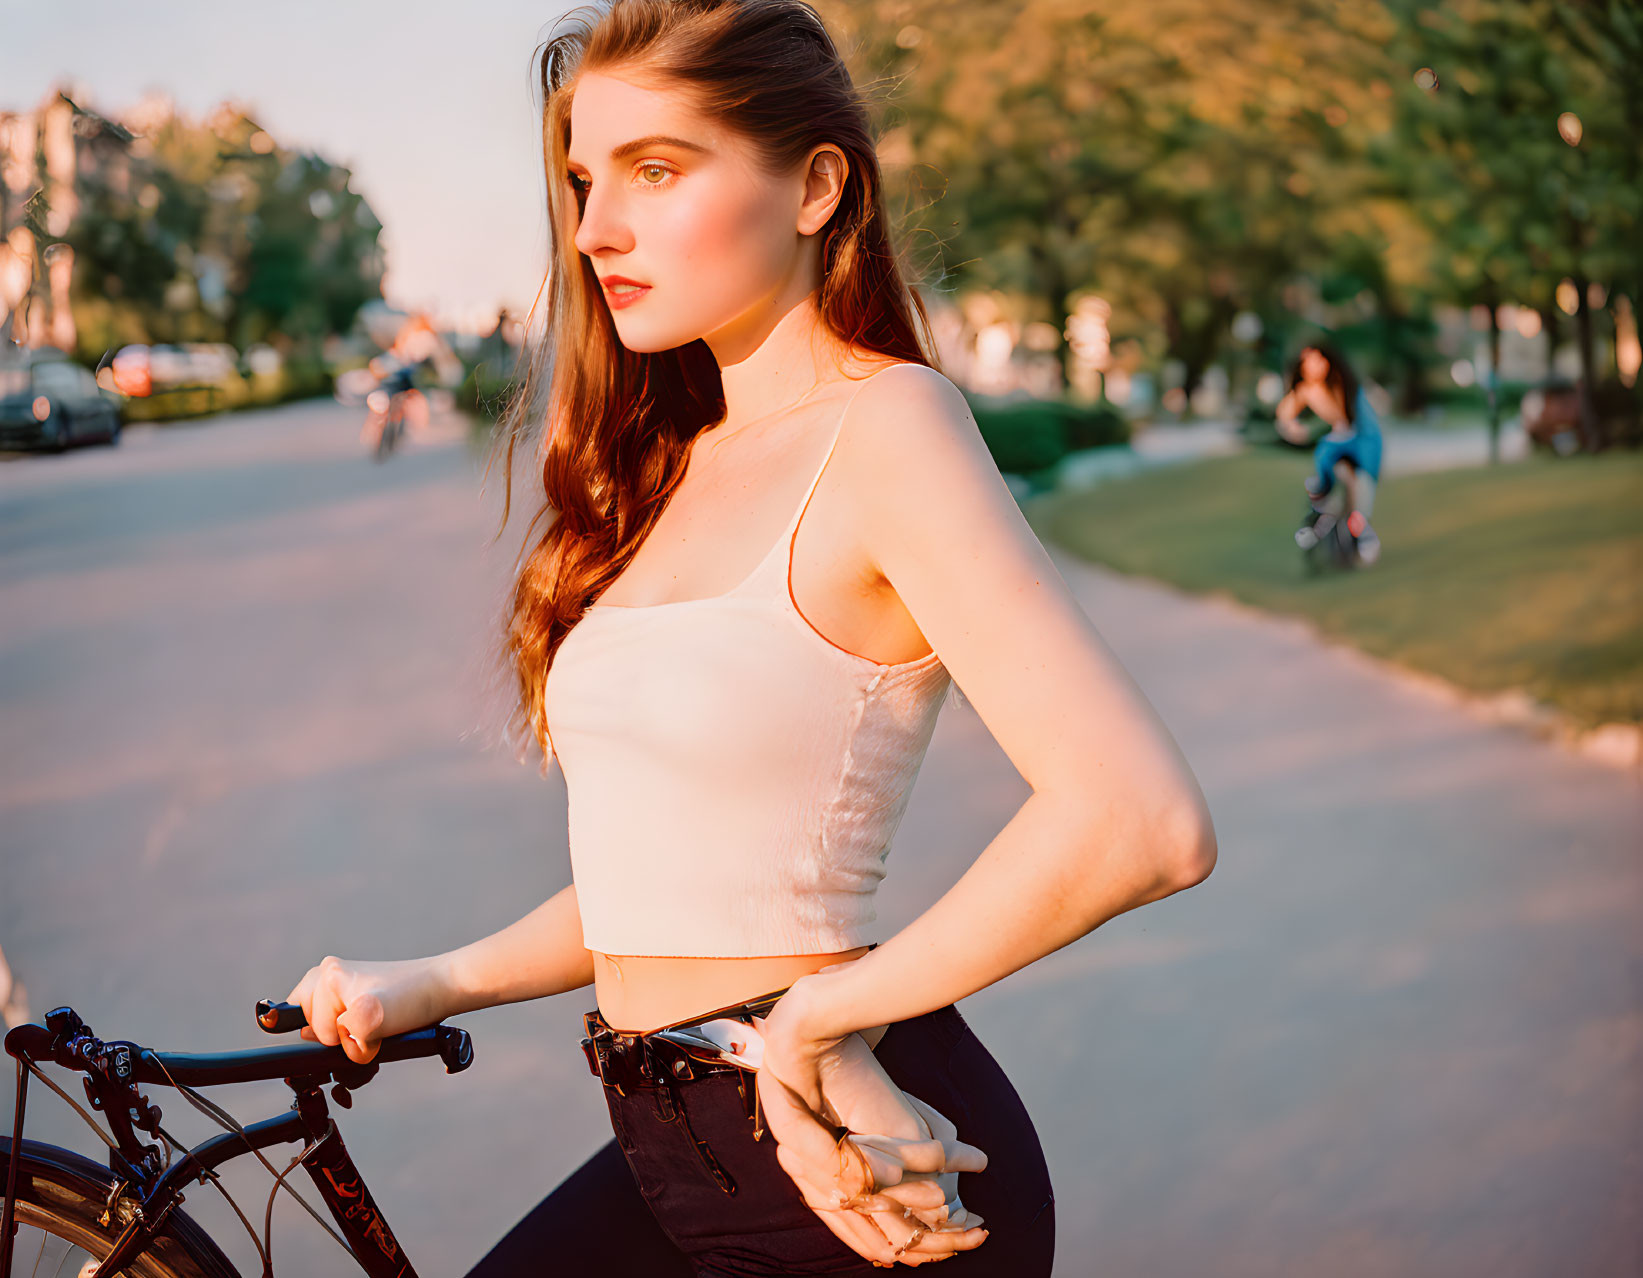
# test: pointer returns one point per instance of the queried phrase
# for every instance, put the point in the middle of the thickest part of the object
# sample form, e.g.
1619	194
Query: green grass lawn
1520	576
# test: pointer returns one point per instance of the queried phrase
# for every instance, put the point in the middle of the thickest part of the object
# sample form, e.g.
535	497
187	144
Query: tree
1183	159
213	232
1519	144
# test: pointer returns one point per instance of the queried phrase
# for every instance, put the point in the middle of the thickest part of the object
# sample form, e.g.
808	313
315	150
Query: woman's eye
654	176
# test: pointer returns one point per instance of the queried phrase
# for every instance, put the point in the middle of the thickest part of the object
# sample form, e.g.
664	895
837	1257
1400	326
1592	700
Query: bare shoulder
914	406
934	514
915	459
909	431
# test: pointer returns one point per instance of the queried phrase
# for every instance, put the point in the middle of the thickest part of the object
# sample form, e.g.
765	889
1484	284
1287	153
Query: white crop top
733	777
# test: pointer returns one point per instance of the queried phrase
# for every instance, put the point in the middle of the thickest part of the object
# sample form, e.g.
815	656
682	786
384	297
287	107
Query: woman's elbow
1191	847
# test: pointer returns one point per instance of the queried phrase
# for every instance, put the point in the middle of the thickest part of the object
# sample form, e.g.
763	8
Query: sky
428	103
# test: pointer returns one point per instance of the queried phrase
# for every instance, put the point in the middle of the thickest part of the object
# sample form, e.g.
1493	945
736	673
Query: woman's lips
625	296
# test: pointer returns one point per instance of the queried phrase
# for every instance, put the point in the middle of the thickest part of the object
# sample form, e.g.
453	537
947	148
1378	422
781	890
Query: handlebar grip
280	1018
452	1045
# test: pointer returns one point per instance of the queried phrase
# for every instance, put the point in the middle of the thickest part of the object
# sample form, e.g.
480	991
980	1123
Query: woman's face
675	203
1314	367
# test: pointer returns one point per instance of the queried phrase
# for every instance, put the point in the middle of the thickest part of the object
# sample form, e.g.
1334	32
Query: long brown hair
616	426
1341	380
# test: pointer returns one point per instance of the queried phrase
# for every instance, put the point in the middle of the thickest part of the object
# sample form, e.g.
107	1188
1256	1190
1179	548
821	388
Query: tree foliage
213	232
1190	160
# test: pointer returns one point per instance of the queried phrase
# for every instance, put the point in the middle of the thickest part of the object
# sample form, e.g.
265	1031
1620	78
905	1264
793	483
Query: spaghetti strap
838	430
773	557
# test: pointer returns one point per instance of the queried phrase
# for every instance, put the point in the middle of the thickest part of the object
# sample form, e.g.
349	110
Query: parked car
48	401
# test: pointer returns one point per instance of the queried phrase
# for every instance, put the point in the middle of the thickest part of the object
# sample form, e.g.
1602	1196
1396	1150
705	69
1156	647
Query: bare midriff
640	993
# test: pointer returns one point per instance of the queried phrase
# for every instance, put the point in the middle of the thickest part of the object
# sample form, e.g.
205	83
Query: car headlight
42	408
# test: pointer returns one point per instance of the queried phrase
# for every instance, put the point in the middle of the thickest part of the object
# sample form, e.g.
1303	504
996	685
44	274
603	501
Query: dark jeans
646	1204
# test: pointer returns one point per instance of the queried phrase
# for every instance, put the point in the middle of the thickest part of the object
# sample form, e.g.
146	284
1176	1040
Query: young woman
777	539
1323	381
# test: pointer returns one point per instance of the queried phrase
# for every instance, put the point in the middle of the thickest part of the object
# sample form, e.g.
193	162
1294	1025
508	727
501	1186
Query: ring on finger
913	1239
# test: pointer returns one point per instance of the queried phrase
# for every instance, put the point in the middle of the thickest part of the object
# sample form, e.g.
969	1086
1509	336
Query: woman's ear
823	188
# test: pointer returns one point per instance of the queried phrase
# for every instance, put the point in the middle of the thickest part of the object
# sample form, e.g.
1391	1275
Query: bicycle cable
73	1104
268	1215
216	1183
165	1136
229	1123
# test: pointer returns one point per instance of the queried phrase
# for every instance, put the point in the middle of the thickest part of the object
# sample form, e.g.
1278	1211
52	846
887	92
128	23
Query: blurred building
46	156
158	229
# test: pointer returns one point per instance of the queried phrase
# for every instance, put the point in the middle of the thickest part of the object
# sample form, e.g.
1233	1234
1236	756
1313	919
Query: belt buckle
607	1059
622	1058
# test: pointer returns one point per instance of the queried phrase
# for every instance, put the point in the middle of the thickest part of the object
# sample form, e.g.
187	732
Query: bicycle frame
113	1072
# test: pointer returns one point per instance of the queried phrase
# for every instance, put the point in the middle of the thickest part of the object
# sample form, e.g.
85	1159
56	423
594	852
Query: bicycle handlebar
66	1040
451	1045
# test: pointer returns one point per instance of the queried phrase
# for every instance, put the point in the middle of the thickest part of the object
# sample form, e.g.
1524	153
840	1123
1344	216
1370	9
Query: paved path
244	720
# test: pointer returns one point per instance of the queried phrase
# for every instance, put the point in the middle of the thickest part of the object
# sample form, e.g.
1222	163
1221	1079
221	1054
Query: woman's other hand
356	1004
884	1200
884	1223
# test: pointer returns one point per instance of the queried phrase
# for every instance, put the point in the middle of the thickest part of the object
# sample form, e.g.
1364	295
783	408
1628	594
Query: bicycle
1325	535
391	410
127	1217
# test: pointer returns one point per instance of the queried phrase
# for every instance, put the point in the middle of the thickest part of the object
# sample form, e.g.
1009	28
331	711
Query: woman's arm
1287	417
356	1003
539	955
1116	818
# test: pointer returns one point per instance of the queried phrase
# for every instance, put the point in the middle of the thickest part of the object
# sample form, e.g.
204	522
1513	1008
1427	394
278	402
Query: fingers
300	992
915	1241
861	1235
360	1021
882	1195
940	1126
303	996
331	1019
888	1238
940	1244
916	1194
874	1225
890	1157
818	1186
796	1127
962	1157
324	1008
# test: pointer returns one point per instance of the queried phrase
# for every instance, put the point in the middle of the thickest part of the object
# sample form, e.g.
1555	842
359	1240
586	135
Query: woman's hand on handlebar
355	1004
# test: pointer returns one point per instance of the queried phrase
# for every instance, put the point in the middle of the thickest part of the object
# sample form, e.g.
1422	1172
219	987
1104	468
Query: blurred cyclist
1323	381
396	406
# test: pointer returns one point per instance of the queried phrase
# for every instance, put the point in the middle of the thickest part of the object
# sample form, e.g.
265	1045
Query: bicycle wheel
60	1198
